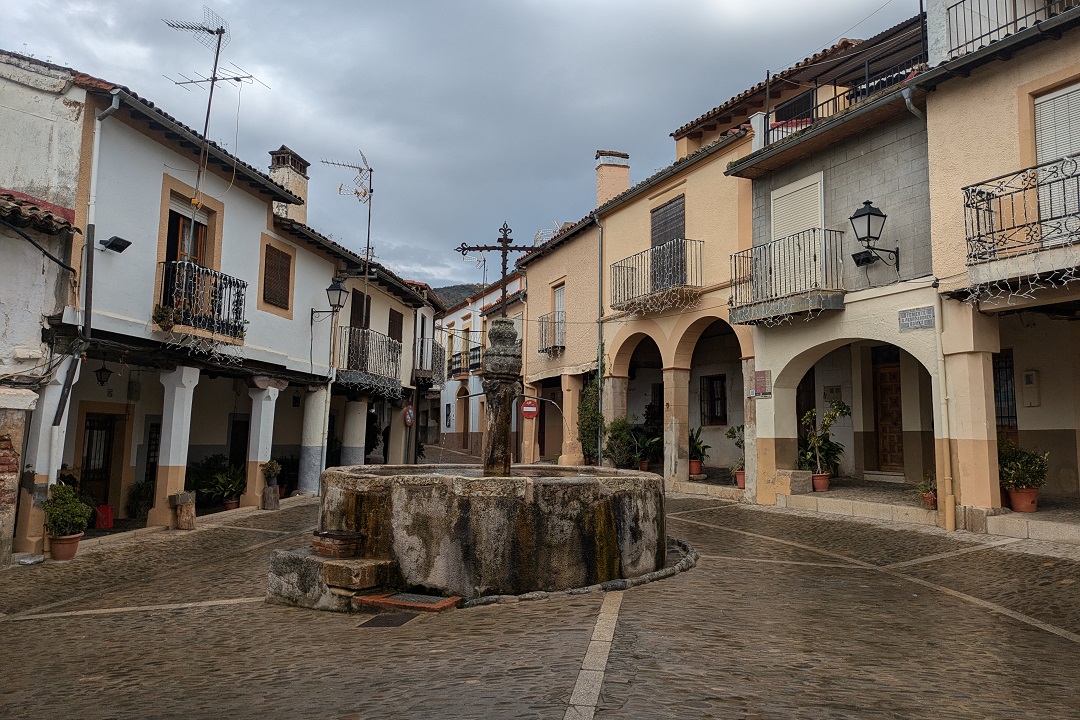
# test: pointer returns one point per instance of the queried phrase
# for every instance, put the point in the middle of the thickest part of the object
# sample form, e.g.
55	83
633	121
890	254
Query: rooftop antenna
362	190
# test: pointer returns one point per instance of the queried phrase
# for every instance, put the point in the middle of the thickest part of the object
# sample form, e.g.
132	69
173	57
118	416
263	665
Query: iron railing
674	265
203	299
820	102
431	359
801	263
474	357
1024	211
366	351
973	24
456	365
552	331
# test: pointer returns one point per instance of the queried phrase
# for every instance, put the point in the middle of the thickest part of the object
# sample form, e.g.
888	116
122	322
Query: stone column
173	451
614	400
13	407
312	441
749	427
571	403
777	443
260	437
354	432
502	384
676	425
44	450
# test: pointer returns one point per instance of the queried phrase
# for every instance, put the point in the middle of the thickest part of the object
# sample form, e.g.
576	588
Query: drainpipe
946	451
599	333
908	93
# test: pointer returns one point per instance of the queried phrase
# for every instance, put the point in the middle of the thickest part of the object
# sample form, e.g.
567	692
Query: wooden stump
185	516
270	497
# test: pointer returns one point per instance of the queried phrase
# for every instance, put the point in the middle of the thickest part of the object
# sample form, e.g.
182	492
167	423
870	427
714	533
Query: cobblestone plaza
786	615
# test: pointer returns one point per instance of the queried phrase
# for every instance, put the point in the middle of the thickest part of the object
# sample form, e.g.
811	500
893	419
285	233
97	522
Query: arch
796	366
626	341
687	332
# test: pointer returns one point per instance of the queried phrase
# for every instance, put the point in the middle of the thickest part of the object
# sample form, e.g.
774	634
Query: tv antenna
214	33
362	189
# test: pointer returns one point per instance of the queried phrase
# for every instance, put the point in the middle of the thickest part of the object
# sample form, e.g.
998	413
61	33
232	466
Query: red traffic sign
529	409
410	416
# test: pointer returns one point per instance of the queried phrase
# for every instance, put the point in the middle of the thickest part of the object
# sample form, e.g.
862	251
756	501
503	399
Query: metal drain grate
389	620
412	598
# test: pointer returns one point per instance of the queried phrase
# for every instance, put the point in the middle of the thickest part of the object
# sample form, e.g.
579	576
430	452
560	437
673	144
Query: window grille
713	400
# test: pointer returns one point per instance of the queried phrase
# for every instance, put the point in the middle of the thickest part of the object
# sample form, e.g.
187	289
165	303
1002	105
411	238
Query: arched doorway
463	419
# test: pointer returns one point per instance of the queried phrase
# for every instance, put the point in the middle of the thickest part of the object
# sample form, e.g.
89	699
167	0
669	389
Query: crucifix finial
503	247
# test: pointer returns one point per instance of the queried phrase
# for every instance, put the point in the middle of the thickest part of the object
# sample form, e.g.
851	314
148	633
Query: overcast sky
471	112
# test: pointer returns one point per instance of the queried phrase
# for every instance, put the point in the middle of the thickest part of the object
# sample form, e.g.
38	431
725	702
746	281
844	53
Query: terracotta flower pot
740	478
1024	499
820	481
65	546
695	467
643	465
231	504
929	500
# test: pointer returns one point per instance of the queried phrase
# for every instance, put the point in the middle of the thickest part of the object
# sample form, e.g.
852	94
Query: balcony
430	362
474	357
796	274
659	278
974	24
457	365
201	299
552	332
369	360
1010	218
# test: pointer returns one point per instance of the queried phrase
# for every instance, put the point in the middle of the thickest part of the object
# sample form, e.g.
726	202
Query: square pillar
312	441
530	447
614	401
776	441
399	433
572	386
749	427
13	407
354	432
173	451
676	425
974	429
260	442
44	451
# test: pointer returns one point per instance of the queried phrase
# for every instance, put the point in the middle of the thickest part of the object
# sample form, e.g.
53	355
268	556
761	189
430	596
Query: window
359	310
796	207
713	400
1005	394
669	221
1057	135
394	325
186	240
277	272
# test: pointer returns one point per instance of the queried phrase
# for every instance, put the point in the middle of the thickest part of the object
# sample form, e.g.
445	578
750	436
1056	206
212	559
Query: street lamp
867	222
337	294
103	374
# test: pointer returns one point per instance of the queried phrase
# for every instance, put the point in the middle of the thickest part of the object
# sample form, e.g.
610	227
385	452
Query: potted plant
822	453
735	432
1022	472
229	486
66	517
164	317
926	490
620	447
646	447
270	470
699	451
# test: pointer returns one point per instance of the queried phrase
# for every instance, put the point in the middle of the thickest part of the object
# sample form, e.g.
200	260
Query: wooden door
97	456
888	417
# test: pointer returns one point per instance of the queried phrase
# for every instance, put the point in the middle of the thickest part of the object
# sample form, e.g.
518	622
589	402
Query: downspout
908	93
55	449
946	445
599	334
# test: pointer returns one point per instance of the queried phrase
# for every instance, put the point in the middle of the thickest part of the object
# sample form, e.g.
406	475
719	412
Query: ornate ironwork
973	24
431	360
204	299
552	332
369	360
457	365
659	278
767	276
502	247
474	357
1023	212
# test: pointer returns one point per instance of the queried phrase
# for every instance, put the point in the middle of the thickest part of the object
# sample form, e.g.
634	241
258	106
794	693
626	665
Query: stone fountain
469	531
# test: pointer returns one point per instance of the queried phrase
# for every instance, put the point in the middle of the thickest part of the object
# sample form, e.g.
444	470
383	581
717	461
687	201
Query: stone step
889	477
406	601
820	502
358	573
1031	526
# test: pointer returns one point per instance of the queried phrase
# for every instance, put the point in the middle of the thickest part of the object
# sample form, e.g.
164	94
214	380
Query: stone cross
503	247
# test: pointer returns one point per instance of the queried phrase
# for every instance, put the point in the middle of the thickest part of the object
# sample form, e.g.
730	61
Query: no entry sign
529	409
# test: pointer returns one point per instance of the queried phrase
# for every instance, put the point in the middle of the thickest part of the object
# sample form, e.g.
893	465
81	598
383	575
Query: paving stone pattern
785	616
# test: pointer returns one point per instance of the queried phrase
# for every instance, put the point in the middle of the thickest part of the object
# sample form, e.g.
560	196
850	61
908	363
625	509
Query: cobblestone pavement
786	616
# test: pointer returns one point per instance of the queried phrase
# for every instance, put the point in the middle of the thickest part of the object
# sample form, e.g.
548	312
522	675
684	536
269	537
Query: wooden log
270	497
185	516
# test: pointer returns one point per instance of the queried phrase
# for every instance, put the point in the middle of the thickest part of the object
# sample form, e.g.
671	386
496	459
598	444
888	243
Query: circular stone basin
453	531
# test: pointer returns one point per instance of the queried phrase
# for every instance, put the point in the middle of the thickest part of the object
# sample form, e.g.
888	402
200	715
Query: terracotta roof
150	111
428	293
25	210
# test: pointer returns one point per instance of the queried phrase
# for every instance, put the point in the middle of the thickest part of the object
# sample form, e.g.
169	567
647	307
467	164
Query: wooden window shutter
394	327
359	310
669	221
277	271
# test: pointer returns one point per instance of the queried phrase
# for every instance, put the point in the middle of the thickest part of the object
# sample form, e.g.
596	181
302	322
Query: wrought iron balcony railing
362	350
552	332
973	24
474	357
824	101
1022	212
204	299
799	264
431	360
457	364
659	278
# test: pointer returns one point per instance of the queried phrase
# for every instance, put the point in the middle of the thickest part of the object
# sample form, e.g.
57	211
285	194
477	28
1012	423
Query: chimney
612	175
289	170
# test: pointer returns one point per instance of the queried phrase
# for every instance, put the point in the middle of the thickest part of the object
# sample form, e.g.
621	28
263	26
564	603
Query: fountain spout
502	384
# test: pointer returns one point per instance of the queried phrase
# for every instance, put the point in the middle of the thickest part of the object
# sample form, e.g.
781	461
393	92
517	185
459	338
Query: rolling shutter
796	207
1057	135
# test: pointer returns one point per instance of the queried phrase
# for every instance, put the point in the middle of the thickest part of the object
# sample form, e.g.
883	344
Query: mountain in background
451	295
